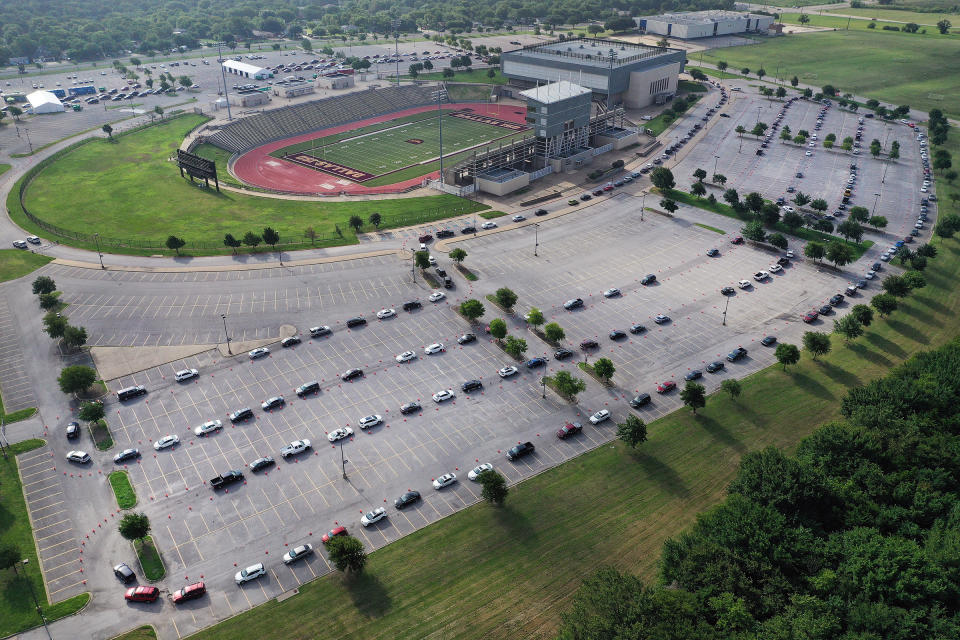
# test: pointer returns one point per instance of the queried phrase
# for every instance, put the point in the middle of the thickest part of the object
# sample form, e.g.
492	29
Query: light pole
536	238
543	383
223	74
440	127
727	306
876	199
343	461
96	238
758	113
716	159
33	595
225	334
27	131
643	199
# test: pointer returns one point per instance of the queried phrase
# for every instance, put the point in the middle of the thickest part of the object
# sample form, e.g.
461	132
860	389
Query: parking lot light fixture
33	595
96	238
876	199
225	334
543	383
536	238
725	307
343	461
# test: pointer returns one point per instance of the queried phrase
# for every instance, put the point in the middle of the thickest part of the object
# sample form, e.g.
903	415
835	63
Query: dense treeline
91	29
855	537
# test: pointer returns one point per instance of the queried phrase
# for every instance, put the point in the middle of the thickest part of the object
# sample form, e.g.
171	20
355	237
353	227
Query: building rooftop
42	97
555	92
595	52
242	66
702	17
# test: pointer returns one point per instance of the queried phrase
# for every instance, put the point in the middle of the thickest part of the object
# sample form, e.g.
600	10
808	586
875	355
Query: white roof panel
555	92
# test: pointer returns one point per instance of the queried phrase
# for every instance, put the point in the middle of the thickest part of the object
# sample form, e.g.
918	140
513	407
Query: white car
259	352
885	257
518	218
432	261
660	318
406	356
186	374
208	427
775	268
297	553
506	372
437	296
611	293
599	416
295	447
809	153
744	284
373	517
790	254
252	572
166	442
386	313
78	456
33	239
370	421
923	189
339	434
811	144
436	347
490	224
477	470
443	396
445	480
869	275
787	208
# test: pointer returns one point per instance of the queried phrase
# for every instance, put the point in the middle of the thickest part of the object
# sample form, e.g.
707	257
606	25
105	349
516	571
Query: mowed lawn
896	67
486	572
129	189
900	15
16	263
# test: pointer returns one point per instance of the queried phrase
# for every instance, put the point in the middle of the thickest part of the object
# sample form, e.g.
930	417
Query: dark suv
470	385
411	305
359	321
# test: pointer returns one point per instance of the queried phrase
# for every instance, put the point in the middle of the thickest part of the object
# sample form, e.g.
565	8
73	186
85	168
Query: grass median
16	416
16	263
150	560
511	571
123	490
145	632
17	612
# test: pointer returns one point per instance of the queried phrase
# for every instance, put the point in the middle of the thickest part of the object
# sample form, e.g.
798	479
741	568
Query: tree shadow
908	331
887	346
369	595
934	304
661	473
812	386
842	376
516	523
925	317
721	433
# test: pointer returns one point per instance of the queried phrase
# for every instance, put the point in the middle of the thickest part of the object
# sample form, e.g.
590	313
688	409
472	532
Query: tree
75	337
310	234
915	279
801	199
849	327
9	556
632	431
896	286
781	92
347	554
927	250
107	129
732	387
943	26
859	214
472	309
174	243
745	70
694	396
778	240
819	205
604	369
698	189
91	411
817	343
700	175
535	317
49	301
421	259
823	225
770	213
787	354
554	332
568	385
862	313
839	253
814	251
884	303
662	178
794	81
722	65
877	222
803	18
233	243
54	324
251	239
792	220
505	298
306	45
494	487
731	196
134	526
356	222
44	284
448	72
754	201
719	178
375	219
458	255
157	109
669	205
594	29
850	229
515	346
754	231
759	128
76	378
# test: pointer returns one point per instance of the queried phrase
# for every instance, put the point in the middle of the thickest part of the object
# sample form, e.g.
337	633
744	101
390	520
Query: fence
539	173
598	150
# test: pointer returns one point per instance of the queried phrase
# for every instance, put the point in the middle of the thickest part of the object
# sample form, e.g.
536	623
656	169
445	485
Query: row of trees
55	325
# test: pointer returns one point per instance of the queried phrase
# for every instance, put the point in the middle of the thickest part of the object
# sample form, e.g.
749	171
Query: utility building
704	24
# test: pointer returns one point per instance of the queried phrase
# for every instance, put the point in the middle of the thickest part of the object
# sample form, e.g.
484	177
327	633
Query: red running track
258	168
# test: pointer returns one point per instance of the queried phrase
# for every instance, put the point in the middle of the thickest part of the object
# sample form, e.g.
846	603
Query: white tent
44	102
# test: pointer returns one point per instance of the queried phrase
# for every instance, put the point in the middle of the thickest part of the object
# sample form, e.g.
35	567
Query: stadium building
633	75
704	24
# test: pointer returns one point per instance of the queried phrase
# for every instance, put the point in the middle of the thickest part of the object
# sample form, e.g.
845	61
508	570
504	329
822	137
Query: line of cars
148	593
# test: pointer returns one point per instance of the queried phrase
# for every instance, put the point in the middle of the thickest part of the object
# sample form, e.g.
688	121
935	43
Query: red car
569	429
669	385
737	240
810	317
189	592
426	237
339	531
142	594
608	187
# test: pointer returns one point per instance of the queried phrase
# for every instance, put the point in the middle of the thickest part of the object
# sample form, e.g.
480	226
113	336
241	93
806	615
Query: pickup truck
224	479
292	449
520	450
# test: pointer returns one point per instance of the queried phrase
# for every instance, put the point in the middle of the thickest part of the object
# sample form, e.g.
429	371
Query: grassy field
150	559
123	490
473	75
901	15
510	572
16	263
128	190
4	168
889	66
145	632
859	24
17	612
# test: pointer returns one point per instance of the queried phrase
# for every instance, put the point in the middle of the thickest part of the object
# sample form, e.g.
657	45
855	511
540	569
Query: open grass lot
16	263
128	190
17	612
4	168
896	67
839	22
473	75
902	15
510	572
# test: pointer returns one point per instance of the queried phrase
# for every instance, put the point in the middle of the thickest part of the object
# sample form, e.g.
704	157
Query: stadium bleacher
287	122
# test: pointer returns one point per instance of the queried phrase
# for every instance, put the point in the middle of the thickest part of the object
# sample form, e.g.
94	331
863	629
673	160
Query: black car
466	338
410	407
640	400
836	299
520	450
713	252
359	321
598	192
637	328
441	272
540	212
736	354
261	463
715	366
242	414
412	304
406	499
825	309
126	454
533	363
445	233
648	279
467	230
589	344
289	342
124	572
273	403
877	266
470	385
586	197
727	291
783	261
573	304
350	374
799	174
693	375
562	353
616	334
73	430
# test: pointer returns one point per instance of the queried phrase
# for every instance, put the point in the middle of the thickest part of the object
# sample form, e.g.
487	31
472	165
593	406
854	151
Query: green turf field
902	15
393	145
900	68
